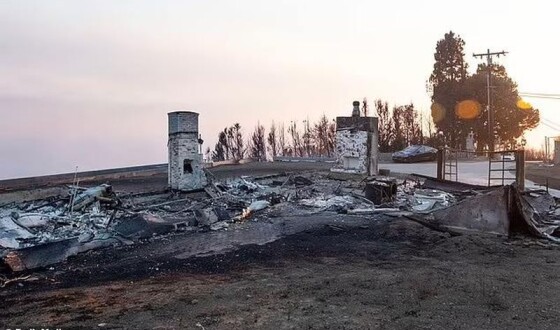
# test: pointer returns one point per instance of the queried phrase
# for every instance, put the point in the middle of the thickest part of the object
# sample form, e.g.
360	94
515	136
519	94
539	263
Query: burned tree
331	139
385	125
307	138
221	149
230	144
272	140
281	140
238	150
321	135
257	144
412	126
398	139
297	146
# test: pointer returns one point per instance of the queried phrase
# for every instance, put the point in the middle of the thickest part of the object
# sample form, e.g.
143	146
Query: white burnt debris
42	232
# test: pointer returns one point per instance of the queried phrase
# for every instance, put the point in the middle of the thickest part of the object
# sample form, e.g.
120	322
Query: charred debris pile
44	232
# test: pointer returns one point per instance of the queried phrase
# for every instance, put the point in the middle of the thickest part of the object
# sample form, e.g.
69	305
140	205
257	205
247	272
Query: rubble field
283	248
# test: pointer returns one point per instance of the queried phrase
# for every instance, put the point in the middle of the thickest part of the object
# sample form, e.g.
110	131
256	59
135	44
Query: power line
549	122
541	96
550	126
489	56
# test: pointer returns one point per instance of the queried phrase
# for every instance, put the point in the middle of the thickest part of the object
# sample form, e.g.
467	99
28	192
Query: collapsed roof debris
540	212
486	213
102	193
500	210
11	233
44	232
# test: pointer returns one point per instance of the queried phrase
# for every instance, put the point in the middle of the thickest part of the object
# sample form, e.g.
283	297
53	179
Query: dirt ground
390	273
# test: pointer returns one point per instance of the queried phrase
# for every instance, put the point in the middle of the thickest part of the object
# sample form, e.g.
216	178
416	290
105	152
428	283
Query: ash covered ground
291	268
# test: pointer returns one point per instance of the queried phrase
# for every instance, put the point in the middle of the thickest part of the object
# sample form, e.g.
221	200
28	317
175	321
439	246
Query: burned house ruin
356	143
185	160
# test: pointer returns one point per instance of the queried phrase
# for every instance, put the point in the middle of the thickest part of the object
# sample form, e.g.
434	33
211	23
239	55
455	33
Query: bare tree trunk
282	140
272	140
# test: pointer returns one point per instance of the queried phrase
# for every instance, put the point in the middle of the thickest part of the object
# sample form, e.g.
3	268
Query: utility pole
491	133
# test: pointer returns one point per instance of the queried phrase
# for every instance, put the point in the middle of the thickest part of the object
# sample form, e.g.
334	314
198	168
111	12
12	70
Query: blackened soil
392	273
144	261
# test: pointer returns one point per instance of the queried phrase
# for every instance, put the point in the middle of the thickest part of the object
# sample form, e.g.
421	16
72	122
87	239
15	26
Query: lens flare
438	112
524	105
468	109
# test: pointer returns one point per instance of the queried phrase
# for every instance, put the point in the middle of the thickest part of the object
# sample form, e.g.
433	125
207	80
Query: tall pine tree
448	79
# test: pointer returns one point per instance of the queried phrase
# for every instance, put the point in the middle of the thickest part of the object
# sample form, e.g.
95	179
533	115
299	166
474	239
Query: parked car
508	157
415	153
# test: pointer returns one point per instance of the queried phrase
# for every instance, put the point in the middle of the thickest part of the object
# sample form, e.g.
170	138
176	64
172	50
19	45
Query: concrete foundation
185	161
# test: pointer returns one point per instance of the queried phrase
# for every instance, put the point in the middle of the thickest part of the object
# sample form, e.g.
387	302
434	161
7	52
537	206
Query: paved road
469	171
473	172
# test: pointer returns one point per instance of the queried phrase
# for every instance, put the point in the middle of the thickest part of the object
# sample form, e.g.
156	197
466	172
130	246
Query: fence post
520	169
440	169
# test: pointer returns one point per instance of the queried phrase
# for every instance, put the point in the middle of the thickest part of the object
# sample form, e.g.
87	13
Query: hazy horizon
90	83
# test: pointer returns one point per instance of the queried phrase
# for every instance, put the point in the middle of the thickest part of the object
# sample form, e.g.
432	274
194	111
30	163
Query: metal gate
451	168
498	166
497	170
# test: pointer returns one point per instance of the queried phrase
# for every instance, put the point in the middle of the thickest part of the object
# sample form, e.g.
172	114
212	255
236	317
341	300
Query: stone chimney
185	162
356	109
356	148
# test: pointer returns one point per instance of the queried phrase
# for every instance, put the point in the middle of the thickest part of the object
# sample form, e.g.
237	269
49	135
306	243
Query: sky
90	83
